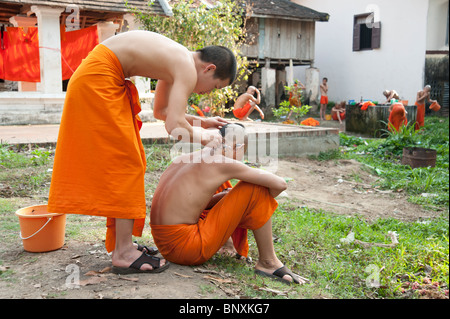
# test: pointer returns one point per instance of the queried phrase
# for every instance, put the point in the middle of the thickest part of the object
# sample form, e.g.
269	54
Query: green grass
427	186
307	240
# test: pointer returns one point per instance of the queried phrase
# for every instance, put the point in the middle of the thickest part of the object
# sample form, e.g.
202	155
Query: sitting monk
246	103
397	117
186	236
338	112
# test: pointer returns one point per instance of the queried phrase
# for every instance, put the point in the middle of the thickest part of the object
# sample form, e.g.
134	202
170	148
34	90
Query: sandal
150	251
280	273
135	267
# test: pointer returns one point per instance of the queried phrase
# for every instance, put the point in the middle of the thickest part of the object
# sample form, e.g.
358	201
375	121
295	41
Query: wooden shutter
376	35
356	37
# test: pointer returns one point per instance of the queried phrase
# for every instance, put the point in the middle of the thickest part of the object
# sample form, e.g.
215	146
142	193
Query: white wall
437	25
398	64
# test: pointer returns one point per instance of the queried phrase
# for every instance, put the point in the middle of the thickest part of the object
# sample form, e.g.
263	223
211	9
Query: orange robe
240	112
397	117
246	206
420	117
100	162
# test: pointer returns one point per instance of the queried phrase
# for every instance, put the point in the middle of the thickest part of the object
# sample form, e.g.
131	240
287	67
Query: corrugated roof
282	9
285	9
96	5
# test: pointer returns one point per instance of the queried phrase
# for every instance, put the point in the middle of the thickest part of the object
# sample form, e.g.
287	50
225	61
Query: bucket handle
48	220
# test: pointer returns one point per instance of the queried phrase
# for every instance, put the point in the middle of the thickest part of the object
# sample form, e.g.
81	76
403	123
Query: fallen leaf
206	271
219	280
3	268
129	278
181	275
274	291
93	281
106	269
92	273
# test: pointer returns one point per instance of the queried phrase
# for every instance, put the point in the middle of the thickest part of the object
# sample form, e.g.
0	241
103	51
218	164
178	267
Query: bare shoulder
149	54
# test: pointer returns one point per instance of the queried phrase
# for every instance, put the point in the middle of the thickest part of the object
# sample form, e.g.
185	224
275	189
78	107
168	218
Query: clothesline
62	57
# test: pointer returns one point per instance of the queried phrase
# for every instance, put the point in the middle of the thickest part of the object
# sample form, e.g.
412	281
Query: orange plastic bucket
435	106
40	230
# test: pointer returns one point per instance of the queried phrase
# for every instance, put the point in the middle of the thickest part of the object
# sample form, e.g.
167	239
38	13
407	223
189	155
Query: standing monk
323	98
100	162
420	103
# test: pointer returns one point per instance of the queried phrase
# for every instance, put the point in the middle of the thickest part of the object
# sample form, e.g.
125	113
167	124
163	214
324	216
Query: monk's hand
214	122
211	138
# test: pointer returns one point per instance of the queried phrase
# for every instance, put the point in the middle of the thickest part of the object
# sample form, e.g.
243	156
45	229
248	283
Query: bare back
243	99
185	189
145	53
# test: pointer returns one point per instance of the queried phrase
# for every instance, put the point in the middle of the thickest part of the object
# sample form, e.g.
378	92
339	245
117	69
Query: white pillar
49	48
24	22
268	81
106	29
312	83
290	78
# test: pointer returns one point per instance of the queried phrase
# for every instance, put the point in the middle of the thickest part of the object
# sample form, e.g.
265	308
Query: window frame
375	34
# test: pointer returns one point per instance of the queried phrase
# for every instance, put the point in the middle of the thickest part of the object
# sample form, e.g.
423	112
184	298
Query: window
366	32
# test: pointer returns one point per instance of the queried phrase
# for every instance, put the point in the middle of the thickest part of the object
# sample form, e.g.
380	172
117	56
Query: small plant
395	141
288	110
293	106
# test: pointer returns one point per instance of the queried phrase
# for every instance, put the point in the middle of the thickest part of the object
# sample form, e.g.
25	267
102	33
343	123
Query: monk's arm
258	97
238	170
216	198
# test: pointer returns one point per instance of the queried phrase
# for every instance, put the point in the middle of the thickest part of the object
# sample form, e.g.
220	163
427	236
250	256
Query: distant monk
420	103
338	112
323	98
246	103
390	94
397	117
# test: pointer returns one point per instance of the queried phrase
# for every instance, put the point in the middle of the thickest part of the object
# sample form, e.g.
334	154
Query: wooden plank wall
283	39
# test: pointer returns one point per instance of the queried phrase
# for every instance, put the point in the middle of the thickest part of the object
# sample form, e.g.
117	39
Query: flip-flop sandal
135	267
150	251
279	274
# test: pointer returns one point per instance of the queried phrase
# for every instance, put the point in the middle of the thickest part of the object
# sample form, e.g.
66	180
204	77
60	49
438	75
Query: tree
195	28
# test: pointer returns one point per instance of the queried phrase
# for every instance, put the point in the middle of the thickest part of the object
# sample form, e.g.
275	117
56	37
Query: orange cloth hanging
19	57
246	206
100	161
75	46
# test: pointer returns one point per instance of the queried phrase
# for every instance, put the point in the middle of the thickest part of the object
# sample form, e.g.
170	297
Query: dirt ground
340	186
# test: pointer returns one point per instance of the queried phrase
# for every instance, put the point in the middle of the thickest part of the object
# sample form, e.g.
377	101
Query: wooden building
280	33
